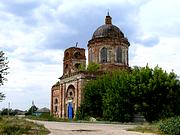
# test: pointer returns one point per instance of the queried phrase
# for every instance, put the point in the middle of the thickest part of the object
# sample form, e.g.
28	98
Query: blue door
70	111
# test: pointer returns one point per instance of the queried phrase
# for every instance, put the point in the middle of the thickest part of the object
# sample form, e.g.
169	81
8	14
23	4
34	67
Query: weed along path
67	128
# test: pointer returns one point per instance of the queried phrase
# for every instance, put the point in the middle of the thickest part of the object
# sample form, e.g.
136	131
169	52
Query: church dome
108	30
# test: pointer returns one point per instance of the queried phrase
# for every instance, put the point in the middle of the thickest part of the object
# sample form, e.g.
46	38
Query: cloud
58	25
19	7
158	42
23	99
165	54
147	40
163	20
31	80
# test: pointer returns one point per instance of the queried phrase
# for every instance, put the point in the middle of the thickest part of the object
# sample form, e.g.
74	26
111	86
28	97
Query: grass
47	117
168	126
147	128
19	126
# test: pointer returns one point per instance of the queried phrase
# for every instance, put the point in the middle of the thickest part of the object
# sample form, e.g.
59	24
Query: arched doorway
70	95
70	110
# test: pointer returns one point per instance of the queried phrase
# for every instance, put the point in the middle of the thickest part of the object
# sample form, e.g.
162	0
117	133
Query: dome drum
108	47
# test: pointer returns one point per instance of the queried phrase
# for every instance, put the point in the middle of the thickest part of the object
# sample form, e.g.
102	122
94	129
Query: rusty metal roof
108	30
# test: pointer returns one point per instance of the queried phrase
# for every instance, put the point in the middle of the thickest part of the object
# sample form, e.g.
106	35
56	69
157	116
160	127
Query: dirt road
65	128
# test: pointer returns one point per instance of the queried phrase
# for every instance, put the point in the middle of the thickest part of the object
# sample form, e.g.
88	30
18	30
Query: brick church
108	47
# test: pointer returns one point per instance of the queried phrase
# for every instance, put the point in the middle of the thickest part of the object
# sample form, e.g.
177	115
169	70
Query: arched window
90	55
127	57
66	66
119	55
103	55
56	108
77	55
56	101
70	94
124	57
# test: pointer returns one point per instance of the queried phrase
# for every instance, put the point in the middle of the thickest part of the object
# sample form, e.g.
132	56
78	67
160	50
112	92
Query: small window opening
77	54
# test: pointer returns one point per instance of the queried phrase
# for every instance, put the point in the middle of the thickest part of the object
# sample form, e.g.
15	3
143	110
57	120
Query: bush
13	129
93	67
46	116
170	126
117	95
17	126
1	118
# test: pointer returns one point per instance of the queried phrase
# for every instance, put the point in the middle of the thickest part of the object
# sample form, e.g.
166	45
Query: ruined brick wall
71	88
55	100
74	57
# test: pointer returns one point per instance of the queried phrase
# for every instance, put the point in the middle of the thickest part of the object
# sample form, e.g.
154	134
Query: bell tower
74	60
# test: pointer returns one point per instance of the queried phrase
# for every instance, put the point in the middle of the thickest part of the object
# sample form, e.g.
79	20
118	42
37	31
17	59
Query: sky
35	33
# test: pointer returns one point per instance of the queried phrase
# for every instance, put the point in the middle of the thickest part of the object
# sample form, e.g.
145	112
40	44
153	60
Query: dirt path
65	128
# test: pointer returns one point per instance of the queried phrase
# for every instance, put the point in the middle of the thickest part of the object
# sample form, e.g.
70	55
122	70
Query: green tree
92	103
93	67
107	97
155	92
117	95
117	104
31	110
3	71
2	96
7	111
82	67
3	67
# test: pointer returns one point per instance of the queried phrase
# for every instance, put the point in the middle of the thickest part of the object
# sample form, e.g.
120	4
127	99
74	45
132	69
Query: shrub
93	67
117	95
46	116
12	128
170	126
17	126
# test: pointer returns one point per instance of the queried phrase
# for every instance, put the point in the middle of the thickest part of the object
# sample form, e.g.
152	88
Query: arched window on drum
103	55
90	55
119	55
